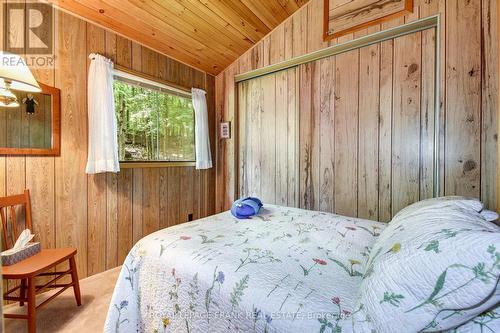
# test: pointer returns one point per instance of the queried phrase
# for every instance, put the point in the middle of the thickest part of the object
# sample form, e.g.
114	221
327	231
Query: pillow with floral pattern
431	270
488	321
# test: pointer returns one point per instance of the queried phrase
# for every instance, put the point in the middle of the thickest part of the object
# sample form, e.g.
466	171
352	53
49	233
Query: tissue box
30	250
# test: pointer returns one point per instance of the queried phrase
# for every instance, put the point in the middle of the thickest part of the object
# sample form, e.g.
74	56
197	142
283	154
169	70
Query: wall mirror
32	128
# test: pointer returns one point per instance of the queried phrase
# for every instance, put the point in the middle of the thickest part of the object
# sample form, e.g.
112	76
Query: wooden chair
38	265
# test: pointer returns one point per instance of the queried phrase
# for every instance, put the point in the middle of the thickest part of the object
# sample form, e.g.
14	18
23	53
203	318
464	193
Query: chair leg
22	291
31	306
74	280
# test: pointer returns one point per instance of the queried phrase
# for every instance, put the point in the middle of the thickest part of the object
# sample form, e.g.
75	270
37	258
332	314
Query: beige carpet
62	314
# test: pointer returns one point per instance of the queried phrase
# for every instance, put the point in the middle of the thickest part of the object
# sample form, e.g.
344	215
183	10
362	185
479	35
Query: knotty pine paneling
369	84
346	147
390	81
463	102
406	139
338	132
97	184
104	215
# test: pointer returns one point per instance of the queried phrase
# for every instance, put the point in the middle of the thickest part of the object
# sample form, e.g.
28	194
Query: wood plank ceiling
206	34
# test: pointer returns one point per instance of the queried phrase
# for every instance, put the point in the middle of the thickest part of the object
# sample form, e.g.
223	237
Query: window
155	122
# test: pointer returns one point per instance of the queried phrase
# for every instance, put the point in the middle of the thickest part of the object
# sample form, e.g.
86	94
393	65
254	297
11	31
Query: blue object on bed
246	207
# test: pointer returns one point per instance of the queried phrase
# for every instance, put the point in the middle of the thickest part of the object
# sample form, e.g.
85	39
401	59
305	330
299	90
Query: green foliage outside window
153	125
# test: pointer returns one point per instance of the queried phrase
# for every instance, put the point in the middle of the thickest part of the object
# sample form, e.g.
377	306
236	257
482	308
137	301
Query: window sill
173	164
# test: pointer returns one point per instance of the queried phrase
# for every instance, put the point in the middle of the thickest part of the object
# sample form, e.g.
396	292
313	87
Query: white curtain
202	137
103	138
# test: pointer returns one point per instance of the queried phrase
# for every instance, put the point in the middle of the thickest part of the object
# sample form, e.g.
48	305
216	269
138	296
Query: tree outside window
153	124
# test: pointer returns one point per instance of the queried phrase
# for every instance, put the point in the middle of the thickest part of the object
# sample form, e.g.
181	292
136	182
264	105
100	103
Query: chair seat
38	263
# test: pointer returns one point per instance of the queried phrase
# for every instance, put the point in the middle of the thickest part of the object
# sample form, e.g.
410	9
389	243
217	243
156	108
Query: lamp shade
14	74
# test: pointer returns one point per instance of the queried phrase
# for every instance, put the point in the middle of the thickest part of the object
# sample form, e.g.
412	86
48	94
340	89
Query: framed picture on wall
342	17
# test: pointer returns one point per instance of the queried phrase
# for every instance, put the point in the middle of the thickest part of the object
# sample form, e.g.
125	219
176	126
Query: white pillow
431	270
459	201
489	321
489	215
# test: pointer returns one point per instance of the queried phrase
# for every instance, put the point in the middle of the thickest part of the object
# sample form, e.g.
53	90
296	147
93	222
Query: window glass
153	124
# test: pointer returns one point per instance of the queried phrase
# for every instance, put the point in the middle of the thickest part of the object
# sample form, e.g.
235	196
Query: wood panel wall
269	133
104	215
341	130
375	82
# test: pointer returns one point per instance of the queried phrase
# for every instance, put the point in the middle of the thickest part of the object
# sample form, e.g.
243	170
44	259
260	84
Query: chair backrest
8	205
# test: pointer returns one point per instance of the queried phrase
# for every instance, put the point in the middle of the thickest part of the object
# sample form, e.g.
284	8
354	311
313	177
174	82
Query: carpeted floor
63	316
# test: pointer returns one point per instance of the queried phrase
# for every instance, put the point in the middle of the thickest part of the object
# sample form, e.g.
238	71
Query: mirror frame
55	149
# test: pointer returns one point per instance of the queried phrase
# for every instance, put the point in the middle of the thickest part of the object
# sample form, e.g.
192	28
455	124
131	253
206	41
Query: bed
286	270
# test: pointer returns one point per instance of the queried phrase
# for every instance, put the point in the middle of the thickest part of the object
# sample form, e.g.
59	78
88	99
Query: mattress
286	270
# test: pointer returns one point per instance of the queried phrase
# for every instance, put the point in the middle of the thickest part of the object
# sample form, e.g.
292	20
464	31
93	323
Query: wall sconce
15	75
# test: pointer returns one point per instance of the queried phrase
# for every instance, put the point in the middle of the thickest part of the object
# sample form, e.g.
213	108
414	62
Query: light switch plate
225	130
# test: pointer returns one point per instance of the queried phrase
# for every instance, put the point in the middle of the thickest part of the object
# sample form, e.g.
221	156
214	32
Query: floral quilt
286	270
